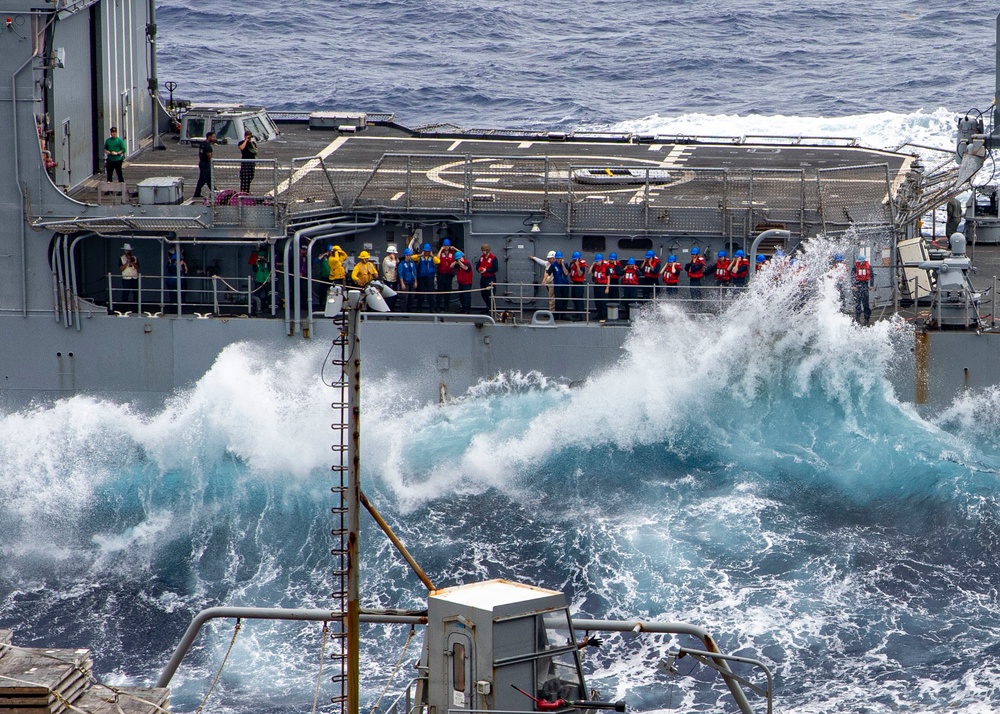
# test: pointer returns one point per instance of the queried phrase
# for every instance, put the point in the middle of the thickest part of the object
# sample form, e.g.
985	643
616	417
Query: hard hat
458	254
740	254
551	254
576	255
672	258
391	249
126	247
613	256
559	255
408	251
779	253
329	248
695	251
839	257
722	254
427	246
859	259
631	261
336	247
650	254
364	255
446	242
598	256
761	258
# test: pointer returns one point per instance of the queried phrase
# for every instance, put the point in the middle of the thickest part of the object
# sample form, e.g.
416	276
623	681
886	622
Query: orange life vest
599	271
578	271
630	276
672	273
722	270
697	268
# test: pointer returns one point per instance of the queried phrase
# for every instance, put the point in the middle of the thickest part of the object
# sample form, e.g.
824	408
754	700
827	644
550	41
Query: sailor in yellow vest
365	271
335	258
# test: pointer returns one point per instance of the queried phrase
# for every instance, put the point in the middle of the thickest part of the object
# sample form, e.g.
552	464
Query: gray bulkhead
76	70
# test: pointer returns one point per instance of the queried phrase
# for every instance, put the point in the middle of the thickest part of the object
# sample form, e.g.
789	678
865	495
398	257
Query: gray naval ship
73	323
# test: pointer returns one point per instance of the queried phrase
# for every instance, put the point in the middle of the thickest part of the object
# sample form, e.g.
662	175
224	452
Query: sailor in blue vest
427	264
407	271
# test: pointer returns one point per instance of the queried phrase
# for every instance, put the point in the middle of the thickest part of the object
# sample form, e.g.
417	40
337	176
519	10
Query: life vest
862	272
614	271
407	272
740	268
425	266
696	268
463	272
650	269
672	273
363	273
599	272
630	275
578	271
447	256
487	265
722	270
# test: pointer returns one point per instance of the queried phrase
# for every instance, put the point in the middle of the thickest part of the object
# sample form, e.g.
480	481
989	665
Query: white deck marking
309	165
524	145
398	196
655	147
486	179
455	144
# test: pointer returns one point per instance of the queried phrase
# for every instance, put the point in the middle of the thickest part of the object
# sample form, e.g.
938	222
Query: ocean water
763	482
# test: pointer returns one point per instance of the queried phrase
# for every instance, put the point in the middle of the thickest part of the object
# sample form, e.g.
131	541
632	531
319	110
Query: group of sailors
429	280
423	279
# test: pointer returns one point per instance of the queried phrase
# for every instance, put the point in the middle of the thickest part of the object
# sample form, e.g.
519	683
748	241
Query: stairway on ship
36	680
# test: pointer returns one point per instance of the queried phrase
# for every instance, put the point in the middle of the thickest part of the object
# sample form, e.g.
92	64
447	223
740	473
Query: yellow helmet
364	255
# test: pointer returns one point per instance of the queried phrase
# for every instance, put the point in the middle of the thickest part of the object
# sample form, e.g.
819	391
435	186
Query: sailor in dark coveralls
204	164
248	152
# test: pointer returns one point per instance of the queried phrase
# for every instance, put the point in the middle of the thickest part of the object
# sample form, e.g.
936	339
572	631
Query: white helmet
391	249
552	254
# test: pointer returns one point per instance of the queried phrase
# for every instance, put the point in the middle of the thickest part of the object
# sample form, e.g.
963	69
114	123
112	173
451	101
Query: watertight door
521	272
460	672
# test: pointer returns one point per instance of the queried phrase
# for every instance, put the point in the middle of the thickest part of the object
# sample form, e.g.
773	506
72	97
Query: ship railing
590	303
310	186
634	198
406	701
203	296
244	193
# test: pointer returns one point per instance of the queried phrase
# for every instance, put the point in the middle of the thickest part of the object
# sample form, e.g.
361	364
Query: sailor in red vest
445	275
578	285
630	286
739	270
649	273
720	272
487	267
599	276
614	276
864	278
672	275
696	271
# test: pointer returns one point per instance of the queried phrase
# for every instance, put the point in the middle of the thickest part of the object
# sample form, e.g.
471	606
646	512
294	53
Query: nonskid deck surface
385	165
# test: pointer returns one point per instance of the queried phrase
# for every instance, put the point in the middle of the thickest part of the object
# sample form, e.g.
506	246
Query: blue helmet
446	242
672	258
722	254
740	254
598	256
695	251
329	248
761	258
408	251
779	253
613	256
859	259
631	261
576	255
427	246
558	255
458	254
650	254
839	257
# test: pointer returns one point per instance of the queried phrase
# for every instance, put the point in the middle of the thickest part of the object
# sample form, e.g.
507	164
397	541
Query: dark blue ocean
755	476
